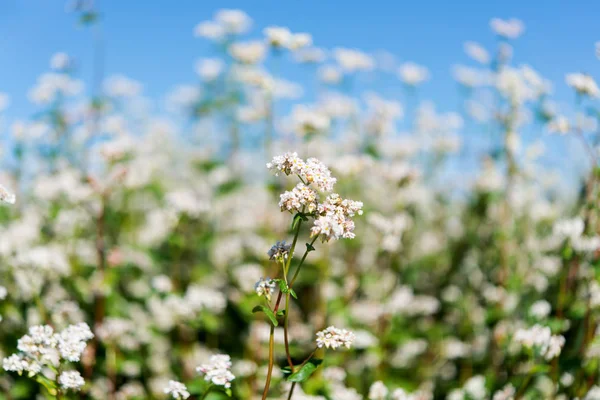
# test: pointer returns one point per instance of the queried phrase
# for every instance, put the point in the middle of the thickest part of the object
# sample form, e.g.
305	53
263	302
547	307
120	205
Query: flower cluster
6	196
71	380
541	339
279	251
309	171
300	199
217	370
265	287
177	390
42	347
333	216
333	338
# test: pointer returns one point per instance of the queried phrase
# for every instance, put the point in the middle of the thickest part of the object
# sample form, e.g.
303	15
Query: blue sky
151	41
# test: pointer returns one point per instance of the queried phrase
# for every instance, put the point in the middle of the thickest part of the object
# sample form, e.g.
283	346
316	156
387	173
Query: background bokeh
135	136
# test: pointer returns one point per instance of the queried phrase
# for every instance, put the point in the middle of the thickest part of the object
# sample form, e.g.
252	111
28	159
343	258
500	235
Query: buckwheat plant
331	218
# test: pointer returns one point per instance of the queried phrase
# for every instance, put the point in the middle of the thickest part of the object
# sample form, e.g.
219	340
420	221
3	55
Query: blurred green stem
271	361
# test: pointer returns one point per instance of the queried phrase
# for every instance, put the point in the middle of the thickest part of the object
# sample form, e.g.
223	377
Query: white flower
330	74
475	387
60	61
560	124
540	338
334	338
15	363
540	309
568	228
4	101
265	287
300	41
162	283
217	370
477	52
71	380
310	55
251	52
308	121
277	36
233	21
507	393
209	69
583	84
510	28
413	74
6	196
122	86
311	171
378	391
177	389
335	218
300	199
72	341
209	30
41	347
352	60
593	393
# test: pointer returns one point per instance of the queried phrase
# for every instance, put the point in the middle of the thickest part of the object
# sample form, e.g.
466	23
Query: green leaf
282	285
297	219
280	313
293	294
310	247
305	371
268	312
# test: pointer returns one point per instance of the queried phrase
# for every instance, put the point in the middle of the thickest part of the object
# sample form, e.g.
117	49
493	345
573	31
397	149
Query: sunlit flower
71	380
413	74
6	196
334	338
265	288
477	52
217	370
177	390
583	84
509	28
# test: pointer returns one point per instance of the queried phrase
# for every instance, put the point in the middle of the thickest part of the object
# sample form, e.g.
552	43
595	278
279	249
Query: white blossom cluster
541	339
310	171
280	37
265	287
300	199
177	390
334	338
43	347
6	196
217	370
71	380
333	216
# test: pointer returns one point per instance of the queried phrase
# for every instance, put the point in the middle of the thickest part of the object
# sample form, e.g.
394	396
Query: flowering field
256	245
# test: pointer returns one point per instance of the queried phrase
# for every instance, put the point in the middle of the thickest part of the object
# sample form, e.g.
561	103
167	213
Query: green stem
206	393
285	331
523	387
302	261
271	361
